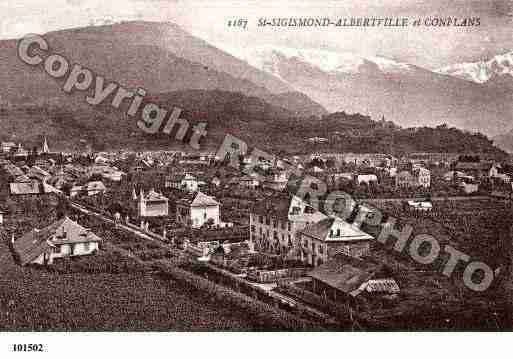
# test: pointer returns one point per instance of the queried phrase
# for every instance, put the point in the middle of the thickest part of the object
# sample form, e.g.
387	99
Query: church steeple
45	148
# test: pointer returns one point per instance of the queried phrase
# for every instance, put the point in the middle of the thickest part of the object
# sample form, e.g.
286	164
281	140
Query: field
109	292
37	299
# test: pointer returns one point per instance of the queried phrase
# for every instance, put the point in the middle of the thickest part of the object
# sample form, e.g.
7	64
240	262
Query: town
245	238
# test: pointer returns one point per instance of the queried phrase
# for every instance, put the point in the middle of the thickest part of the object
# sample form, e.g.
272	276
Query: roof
277	206
346	273
155	196
202	200
188	177
36	242
95	186
387	285
424	204
348	231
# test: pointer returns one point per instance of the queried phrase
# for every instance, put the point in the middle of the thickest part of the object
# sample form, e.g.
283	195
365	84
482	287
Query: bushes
111	262
263	313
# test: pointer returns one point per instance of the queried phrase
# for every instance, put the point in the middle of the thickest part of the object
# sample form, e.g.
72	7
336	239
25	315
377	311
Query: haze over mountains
406	94
262	86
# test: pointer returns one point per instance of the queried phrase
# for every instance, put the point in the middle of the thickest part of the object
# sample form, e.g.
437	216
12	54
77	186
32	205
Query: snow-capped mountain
481	71
405	93
269	58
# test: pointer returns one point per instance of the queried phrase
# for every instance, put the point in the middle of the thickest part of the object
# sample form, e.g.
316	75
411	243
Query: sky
423	46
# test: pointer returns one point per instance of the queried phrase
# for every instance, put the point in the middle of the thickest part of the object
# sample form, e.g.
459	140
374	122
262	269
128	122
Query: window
289	226
331	233
338	232
261	218
320	249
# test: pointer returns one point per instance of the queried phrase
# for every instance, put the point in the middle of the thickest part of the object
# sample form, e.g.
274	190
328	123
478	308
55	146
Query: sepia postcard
242	167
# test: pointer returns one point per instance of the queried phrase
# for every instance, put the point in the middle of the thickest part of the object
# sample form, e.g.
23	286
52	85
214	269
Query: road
292	302
451	198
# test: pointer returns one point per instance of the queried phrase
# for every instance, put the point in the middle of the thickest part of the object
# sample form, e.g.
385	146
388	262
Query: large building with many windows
323	240
275	224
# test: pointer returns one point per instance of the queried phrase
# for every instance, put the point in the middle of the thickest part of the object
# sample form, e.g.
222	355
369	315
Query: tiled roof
37	242
346	273
95	186
202	200
276	206
348	231
154	196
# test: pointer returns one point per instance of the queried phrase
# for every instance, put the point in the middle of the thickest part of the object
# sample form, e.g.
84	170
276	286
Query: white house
420	205
367	179
64	238
186	182
152	204
198	209
323	240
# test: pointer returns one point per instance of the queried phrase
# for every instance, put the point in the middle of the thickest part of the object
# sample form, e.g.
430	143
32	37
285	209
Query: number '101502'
28	347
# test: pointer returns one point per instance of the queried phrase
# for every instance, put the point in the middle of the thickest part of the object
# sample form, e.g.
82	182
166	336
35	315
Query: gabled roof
155	196
348	231
37	242
95	186
346	273
202	200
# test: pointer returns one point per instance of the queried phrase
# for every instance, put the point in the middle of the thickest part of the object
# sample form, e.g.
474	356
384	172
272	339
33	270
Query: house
249	182
416	177
367	179
502	177
198	209
345	277
152	204
95	187
63	238
26	188
38	173
276	221
458	176
7	146
477	169
420	205
186	182
89	189
332	235
334	177
469	188
276	180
